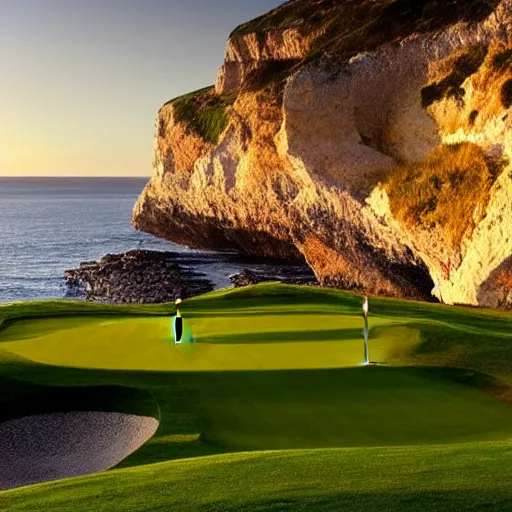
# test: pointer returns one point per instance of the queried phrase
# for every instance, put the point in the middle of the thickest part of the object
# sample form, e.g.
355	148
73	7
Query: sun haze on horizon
81	82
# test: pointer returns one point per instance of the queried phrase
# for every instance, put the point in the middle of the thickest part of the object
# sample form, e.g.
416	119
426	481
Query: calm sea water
51	224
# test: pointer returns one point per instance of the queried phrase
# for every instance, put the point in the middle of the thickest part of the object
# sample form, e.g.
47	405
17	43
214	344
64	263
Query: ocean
50	225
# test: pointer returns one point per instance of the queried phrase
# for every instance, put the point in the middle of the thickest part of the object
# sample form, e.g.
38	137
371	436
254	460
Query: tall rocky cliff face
372	138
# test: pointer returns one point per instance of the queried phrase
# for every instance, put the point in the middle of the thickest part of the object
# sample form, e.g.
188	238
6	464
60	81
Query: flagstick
366	348
366	351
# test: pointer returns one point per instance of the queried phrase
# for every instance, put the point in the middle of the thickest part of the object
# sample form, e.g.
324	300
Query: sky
81	80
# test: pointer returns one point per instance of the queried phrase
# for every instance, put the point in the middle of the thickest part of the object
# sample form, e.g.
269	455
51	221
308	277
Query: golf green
277	367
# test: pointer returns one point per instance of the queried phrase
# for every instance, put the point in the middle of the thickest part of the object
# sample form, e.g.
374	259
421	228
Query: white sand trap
47	447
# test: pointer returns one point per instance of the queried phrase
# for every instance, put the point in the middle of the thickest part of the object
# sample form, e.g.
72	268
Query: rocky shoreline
151	277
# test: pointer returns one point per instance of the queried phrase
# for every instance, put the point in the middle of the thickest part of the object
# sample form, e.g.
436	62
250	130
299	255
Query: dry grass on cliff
447	192
470	88
345	28
462	66
494	82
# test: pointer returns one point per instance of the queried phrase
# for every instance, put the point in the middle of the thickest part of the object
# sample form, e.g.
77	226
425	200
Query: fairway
273	367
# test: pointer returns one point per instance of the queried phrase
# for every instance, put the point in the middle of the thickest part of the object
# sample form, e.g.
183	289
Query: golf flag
181	331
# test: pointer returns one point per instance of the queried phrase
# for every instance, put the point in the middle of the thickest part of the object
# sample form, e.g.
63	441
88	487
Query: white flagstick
366	309
178	304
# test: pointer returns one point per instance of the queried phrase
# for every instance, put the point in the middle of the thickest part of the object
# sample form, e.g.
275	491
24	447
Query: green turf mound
278	367
449	478
373	406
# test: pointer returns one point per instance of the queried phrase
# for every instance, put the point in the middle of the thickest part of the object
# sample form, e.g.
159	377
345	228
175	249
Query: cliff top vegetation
445	191
204	112
347	27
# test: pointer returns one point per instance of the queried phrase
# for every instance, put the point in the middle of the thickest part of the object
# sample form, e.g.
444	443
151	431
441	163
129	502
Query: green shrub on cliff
444	191
204	112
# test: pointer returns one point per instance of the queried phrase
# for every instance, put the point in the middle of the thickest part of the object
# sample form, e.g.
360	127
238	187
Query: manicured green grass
431	478
279	367
56	309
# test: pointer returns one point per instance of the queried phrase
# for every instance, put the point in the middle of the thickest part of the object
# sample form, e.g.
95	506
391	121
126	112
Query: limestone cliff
370	137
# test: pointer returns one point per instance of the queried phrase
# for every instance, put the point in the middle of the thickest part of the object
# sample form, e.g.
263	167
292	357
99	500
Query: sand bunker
47	447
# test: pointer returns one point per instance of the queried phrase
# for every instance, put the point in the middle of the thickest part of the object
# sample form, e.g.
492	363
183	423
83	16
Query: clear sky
81	80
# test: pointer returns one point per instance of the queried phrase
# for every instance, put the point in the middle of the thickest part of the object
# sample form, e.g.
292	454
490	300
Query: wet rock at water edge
134	277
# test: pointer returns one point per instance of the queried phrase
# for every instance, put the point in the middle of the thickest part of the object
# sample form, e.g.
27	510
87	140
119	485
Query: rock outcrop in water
152	277
372	139
134	277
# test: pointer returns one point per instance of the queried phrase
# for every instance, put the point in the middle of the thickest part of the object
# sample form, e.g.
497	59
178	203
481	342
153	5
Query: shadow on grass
268	312
285	336
161	449
37	400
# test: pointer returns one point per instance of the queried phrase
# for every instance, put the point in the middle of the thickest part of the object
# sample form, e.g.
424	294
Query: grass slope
278	367
443	479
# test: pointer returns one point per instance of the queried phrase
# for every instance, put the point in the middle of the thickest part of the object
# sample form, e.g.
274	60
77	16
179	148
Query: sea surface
50	225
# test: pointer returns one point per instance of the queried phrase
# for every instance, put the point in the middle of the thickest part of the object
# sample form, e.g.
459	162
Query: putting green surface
279	368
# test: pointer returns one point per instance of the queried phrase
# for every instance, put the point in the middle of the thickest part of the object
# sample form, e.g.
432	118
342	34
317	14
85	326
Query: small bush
506	94
444	191
503	60
203	112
